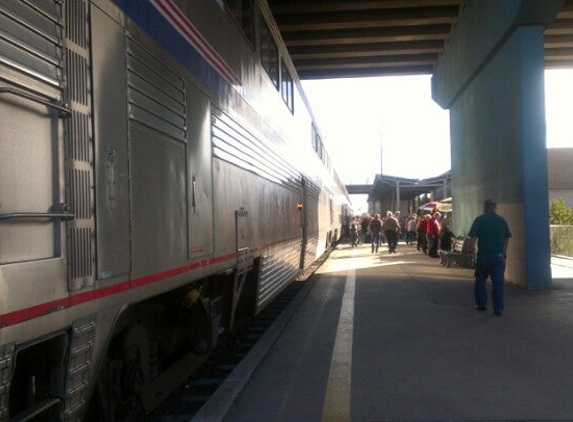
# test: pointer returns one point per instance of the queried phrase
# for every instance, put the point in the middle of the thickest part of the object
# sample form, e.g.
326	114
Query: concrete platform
396	338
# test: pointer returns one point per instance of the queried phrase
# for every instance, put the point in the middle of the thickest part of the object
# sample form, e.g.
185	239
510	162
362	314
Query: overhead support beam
379	61
367	35
368	49
328	6
472	43
376	18
558	41
366	71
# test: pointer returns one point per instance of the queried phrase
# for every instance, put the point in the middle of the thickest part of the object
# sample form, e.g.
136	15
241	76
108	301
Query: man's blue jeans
494	267
375	241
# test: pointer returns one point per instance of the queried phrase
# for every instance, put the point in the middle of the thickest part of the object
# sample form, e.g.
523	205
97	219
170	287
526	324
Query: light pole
381	166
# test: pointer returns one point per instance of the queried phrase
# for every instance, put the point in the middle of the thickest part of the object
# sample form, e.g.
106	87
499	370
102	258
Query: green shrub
561	240
560	213
561	228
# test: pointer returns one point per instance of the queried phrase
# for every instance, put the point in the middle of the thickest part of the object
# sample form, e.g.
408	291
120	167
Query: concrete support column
491	79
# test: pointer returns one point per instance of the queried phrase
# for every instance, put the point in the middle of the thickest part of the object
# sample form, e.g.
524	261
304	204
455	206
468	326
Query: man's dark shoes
497	313
481	308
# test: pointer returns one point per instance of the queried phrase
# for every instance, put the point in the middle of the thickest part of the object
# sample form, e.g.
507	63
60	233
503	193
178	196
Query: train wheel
117	394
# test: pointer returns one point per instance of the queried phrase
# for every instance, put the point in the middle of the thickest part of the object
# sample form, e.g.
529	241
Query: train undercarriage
154	347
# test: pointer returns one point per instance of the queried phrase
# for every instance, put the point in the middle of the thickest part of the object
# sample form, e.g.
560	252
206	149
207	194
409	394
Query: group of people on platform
429	231
489	231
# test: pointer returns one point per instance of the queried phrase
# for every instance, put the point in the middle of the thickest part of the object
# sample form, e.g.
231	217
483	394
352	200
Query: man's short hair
489	205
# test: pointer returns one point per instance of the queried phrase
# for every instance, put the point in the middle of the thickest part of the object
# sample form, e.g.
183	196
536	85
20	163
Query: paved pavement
396	338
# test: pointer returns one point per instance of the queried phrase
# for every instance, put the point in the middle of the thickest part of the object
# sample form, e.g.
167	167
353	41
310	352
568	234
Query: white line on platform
336	405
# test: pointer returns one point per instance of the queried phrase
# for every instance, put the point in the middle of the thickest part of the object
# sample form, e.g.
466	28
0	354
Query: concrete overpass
352	38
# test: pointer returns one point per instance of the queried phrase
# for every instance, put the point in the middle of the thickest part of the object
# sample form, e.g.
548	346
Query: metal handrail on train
61	107
14	215
64	214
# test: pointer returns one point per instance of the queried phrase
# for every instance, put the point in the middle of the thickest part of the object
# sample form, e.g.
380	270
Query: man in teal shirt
492	235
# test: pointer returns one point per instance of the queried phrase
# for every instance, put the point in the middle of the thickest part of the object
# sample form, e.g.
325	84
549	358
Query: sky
358	118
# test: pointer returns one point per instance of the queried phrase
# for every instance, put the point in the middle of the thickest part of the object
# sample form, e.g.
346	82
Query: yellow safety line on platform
336	405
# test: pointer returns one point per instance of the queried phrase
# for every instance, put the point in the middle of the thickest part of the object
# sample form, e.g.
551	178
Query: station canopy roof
385	187
358	38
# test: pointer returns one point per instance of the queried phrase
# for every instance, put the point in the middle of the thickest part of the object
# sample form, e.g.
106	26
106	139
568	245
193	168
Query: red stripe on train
22	315
177	19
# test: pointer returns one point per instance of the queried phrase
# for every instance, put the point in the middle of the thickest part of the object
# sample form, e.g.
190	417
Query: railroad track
187	401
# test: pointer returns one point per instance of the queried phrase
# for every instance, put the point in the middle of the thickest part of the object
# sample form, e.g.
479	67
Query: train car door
303	220
111	151
201	229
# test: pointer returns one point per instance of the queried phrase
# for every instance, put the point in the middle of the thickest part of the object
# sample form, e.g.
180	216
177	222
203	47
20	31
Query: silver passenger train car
161	180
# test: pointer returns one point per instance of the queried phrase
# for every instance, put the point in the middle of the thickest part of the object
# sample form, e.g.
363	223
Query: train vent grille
79	147
76	29
235	143
80	253
80	196
78	66
6	358
277	271
156	95
79	142
313	190
79	362
30	39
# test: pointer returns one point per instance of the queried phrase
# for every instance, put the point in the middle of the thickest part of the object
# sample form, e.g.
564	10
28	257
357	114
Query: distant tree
560	213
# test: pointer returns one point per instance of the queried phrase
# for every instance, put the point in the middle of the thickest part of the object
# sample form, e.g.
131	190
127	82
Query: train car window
314	139
330	204
287	87
269	52
243	12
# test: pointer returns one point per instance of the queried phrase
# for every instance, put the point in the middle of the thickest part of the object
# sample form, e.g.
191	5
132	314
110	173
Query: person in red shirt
422	236
433	232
